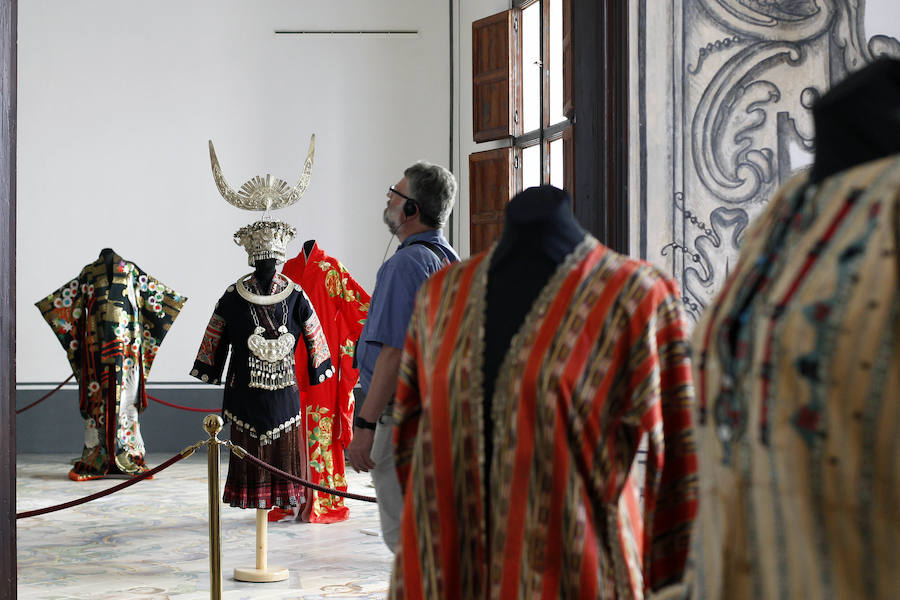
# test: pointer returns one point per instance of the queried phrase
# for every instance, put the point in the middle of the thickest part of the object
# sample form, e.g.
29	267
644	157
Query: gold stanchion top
212	424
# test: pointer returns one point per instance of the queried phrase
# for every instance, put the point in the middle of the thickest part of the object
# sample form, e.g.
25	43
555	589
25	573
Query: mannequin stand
262	573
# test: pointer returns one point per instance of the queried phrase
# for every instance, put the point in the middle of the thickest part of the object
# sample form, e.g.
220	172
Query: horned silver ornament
263	193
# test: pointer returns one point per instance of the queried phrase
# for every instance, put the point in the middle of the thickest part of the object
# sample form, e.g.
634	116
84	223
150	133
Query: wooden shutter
568	104
568	140
492	181
495	83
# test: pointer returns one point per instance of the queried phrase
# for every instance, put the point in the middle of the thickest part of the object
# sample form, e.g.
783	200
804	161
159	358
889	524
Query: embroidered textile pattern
211	340
111	330
598	368
805	335
342	306
319	351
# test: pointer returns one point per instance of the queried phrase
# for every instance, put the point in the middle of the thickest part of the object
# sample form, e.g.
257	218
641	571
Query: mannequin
342	306
794	364
858	120
262	573
264	273
107	256
574	344
539	232
94	318
259	321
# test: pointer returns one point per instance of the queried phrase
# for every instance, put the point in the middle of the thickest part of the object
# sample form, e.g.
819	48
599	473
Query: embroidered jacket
266	413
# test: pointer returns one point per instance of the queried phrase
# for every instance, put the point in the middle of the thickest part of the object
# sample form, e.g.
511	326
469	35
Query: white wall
116	104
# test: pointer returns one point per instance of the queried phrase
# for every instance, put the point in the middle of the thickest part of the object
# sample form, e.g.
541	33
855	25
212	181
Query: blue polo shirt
391	306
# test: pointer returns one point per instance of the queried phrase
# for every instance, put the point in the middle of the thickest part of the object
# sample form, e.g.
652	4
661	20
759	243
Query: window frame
547	132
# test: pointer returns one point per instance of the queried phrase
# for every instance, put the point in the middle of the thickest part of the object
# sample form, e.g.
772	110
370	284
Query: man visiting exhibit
417	208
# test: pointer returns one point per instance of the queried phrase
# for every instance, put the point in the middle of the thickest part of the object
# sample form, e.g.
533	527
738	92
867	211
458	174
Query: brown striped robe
798	382
599	367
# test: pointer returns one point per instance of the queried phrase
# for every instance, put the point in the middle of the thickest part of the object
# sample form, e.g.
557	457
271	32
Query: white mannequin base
263	573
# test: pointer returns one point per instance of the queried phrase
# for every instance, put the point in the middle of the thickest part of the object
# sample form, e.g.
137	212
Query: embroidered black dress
265	422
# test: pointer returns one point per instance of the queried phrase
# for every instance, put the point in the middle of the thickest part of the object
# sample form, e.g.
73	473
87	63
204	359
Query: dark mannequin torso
539	232
264	273
107	256
858	119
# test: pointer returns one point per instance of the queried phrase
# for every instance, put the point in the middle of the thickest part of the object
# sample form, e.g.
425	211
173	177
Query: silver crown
263	193
265	239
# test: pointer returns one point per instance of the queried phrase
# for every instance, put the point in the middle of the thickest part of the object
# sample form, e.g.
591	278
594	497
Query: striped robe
599	367
798	384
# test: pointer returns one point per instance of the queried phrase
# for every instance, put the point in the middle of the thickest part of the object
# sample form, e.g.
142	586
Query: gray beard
385	216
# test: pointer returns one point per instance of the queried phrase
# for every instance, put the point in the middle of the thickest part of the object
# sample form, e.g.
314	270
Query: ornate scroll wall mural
739	77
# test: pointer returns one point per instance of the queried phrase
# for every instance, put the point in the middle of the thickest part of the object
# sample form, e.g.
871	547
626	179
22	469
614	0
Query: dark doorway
8	22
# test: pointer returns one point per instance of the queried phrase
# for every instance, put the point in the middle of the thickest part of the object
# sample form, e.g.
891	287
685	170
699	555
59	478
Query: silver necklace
252	298
271	362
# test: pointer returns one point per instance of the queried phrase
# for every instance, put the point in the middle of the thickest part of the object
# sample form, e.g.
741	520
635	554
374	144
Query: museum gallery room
449	299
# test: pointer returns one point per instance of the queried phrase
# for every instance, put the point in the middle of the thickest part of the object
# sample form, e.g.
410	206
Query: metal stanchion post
212	424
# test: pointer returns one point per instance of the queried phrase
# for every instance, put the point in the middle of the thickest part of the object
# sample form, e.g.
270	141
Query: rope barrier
45	396
179	407
41	511
69	378
238	451
243	454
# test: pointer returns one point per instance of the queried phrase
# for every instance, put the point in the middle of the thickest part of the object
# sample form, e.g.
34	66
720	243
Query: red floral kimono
342	305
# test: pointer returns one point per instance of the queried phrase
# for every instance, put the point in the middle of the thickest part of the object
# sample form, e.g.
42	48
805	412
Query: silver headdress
263	193
265	239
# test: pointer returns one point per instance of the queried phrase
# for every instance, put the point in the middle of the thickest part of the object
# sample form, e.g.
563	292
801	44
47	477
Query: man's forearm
384	383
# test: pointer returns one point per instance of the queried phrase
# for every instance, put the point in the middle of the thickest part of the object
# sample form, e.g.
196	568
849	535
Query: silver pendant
271	350
271	362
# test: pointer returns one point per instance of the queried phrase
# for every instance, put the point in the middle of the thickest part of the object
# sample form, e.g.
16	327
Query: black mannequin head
264	273
539	220
106	255
858	119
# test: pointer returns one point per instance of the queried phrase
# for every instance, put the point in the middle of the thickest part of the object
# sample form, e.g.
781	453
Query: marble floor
151	540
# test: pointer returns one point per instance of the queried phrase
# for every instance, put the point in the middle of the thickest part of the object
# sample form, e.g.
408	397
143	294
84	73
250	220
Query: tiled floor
150	541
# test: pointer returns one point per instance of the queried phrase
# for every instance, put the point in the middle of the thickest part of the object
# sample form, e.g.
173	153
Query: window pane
531	166
556	68
531	67
557	177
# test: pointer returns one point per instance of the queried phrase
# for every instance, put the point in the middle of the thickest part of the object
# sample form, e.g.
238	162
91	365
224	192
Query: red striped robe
599	367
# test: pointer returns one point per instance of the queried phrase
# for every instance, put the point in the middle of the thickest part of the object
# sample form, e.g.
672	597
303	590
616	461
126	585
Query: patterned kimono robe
111	331
342	306
599	367
798	384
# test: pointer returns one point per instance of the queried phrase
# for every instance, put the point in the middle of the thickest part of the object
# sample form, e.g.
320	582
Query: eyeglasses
393	190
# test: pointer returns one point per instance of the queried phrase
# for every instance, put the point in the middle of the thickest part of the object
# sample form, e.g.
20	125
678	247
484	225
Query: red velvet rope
57	388
203	410
106	492
45	396
314	486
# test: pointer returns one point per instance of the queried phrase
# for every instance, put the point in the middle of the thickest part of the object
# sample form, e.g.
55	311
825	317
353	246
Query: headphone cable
386	248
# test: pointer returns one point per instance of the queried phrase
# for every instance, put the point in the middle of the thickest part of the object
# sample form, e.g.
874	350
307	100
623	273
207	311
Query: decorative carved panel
740	79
